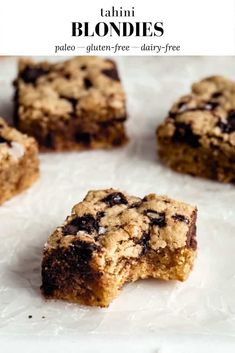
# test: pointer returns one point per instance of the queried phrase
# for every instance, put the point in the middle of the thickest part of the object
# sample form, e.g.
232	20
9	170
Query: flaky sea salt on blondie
19	164
112	238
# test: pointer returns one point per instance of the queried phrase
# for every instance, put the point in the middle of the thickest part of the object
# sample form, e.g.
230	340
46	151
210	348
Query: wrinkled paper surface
204	304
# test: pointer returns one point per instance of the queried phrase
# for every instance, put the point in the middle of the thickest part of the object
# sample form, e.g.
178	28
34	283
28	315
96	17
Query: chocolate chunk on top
32	74
4	140
214	97
191	238
216	94
116	198
156	218
111	73
136	204
86	223
183	133
145	242
87	83
180	218
228	125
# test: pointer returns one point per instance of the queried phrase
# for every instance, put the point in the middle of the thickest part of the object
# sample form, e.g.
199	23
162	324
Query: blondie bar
73	105
112	238
198	136
19	165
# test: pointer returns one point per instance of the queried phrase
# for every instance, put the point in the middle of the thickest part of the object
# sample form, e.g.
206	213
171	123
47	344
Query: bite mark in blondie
112	238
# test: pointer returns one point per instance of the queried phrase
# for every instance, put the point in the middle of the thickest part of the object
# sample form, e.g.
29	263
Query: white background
199	26
197	316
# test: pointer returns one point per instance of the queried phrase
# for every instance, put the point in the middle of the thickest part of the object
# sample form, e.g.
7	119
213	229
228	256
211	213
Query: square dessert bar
112	238
73	105
198	136
19	165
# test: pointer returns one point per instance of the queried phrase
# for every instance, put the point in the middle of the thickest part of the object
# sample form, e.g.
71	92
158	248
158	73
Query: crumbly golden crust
19	165
112	238
76	104
198	136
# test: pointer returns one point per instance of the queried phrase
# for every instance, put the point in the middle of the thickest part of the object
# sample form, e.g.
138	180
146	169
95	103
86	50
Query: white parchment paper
147	311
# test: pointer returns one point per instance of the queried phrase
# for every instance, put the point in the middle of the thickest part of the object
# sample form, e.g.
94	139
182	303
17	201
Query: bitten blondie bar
73	105
19	165
198	136
112	238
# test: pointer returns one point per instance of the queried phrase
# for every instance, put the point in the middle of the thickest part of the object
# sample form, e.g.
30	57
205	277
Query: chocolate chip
30	316
191	238
4	140
32	74
83	67
111	73
86	223
216	95
83	138
166	201
183	108
191	241
99	215
172	114
180	218
156	218
82	251
144	242
136	204
87	83
49	140
67	76
112	122
117	141
73	101
184	134
116	198
229	125
70	229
